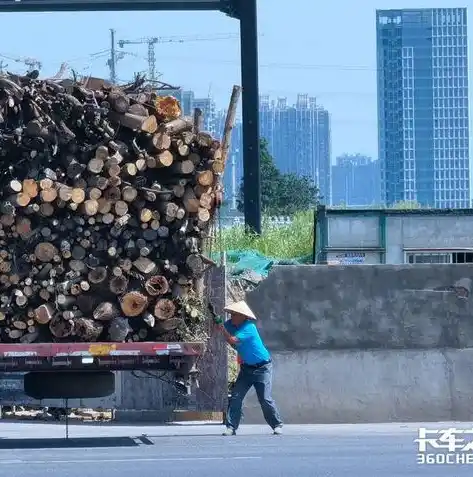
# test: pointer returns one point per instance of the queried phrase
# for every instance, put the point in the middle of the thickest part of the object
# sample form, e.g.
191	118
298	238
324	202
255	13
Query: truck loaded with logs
106	200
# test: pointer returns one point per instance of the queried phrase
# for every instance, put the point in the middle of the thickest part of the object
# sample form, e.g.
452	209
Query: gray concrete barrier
368	343
371	386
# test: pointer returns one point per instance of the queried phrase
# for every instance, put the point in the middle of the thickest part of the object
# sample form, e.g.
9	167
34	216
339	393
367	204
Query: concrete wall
368	343
426	232
352	231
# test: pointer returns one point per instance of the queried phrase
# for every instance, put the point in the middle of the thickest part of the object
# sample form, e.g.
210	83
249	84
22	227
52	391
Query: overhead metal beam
104	5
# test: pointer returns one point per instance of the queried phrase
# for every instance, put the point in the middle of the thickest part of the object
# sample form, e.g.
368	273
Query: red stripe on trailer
47	350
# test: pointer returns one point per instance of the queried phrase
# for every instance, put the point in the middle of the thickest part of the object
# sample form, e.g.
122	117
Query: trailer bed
97	356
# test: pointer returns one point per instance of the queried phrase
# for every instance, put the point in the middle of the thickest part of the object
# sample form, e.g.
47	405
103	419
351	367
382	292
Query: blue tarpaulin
239	261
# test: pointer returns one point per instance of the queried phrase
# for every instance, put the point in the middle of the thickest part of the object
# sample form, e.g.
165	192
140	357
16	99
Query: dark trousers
261	378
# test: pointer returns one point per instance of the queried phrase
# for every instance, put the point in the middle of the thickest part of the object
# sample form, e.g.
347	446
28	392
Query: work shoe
229	432
277	430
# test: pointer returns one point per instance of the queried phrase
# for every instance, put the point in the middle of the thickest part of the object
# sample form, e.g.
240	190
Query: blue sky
326	49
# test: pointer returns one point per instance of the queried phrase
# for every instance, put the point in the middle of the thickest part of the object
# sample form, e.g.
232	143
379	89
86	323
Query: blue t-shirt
250	346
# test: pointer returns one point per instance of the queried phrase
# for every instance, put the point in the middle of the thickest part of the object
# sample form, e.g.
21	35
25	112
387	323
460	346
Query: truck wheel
69	384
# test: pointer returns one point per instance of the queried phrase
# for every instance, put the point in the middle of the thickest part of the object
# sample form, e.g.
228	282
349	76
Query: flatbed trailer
86	370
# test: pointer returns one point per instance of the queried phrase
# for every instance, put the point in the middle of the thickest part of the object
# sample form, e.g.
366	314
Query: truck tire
69	384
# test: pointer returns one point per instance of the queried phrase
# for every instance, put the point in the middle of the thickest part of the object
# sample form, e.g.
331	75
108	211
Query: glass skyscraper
423	117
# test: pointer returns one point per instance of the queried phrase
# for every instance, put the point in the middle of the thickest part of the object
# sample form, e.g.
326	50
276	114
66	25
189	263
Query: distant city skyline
356	181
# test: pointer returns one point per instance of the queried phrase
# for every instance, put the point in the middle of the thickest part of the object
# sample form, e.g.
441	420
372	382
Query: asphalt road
37	450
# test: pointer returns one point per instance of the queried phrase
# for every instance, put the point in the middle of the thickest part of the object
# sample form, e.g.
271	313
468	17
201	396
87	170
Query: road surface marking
111	461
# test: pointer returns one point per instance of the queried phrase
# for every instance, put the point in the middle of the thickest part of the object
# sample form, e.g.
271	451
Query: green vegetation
281	194
407	205
284	242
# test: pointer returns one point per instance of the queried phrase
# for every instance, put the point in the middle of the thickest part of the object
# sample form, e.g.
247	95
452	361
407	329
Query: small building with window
393	236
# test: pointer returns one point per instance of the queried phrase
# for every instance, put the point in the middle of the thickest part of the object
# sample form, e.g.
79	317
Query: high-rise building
356	181
299	139
423	106
323	155
209	111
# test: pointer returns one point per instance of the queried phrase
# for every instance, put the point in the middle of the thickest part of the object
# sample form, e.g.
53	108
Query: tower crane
153	41
31	63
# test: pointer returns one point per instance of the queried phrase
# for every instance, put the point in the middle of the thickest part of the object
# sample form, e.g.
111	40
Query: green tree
406	204
281	194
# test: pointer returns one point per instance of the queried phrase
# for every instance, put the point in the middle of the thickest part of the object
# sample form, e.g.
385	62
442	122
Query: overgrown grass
286	242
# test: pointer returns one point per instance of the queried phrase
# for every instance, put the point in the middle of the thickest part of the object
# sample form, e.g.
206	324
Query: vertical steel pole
251	146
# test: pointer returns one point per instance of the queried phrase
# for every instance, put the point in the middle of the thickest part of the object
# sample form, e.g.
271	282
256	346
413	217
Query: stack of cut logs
105	199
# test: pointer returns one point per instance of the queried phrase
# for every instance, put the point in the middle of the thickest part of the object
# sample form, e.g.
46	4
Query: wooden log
46	210
95	165
157	285
136	123
112	194
22	199
45	252
106	311
178	126
44	314
190	201
15	186
15	334
138	110
91	207
30	188
205	178
118	285
183	167
164	159
229	123
164	309
118	330
30	337
97	276
218	167
77	196
159	141
87	329
101	153
203	215
133	303
129	194
94	193
48	195
105	205
206	201
65	192
195	264
169	209
146	215
61	328
121	208
145	265
118	102
198	120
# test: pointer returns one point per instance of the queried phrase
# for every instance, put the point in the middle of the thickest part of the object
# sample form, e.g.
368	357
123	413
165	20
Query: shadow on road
74	442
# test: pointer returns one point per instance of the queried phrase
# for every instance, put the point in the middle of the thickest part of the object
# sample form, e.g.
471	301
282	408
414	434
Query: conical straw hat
241	308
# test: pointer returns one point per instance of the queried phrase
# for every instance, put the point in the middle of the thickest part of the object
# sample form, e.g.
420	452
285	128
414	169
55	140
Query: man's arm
231	340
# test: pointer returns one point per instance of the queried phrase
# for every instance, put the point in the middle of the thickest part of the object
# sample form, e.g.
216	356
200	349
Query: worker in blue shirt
256	368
